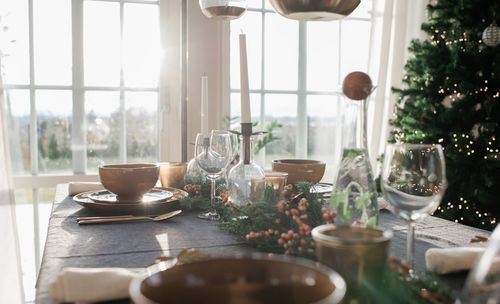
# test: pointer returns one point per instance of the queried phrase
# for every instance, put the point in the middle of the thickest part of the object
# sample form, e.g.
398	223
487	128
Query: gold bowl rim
319	235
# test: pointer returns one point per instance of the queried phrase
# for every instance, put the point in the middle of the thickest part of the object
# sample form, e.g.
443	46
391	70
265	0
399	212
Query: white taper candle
204	104
245	94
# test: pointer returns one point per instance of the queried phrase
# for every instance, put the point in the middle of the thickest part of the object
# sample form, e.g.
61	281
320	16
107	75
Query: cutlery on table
115	219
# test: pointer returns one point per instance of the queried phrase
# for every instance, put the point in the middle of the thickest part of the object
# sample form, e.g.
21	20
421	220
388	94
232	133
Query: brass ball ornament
491	35
357	85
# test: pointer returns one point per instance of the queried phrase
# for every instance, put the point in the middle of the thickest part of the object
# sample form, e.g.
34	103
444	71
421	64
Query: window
295	75
82	84
82	88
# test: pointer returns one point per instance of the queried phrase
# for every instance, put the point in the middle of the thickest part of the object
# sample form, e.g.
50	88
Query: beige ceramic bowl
129	181
300	170
245	280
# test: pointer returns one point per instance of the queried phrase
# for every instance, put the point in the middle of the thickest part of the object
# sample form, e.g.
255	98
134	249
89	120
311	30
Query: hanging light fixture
311	10
223	9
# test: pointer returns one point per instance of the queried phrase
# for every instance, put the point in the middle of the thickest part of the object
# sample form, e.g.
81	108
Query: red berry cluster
192	189
328	216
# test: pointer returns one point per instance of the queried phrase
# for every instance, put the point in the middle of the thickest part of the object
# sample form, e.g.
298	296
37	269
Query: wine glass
213	152
413	181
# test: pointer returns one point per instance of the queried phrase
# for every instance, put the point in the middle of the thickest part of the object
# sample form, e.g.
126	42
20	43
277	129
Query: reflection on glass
142	130
141	48
52	42
281	53
54	110
323	56
18	115
323	131
283	108
355	45
102	112
101	40
251	25
15	28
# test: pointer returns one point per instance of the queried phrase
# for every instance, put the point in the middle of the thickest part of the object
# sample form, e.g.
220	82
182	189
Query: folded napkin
79	187
93	284
447	260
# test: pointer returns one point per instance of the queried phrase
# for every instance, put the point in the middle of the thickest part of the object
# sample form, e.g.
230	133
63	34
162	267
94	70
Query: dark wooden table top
138	244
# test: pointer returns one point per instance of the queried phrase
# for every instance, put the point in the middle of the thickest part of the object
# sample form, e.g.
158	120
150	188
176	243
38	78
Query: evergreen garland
451	96
283	223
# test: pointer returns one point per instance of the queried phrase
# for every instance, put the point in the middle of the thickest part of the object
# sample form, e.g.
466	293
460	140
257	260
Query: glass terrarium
354	195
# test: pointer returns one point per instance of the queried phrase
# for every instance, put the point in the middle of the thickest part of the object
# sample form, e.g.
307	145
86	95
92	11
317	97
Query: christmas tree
451	96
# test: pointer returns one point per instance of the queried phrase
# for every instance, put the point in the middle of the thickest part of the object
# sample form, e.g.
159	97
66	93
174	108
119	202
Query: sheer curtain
396	25
11	290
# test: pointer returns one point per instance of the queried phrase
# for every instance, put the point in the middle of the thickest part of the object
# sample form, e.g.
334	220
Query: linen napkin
448	260
79	187
83	285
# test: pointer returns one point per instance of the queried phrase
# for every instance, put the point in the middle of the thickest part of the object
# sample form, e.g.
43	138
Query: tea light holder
277	180
172	175
358	254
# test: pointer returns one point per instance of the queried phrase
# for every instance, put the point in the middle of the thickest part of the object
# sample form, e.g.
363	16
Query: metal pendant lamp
223	9
314	10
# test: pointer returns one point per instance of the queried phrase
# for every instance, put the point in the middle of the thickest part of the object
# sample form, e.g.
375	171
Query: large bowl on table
252	279
300	170
129	181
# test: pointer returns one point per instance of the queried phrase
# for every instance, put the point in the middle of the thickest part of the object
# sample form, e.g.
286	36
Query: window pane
141	51
102	112
254	3
101	32
52	42
14	40
364	9
142	126
282	108
323	56
54	110
251	25
281	57
324	131
236	109
354	51
19	121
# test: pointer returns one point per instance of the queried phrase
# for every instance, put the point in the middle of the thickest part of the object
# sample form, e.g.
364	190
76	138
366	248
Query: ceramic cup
358	254
172	175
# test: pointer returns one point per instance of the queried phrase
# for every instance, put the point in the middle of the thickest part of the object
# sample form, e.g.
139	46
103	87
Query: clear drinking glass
213	152
413	181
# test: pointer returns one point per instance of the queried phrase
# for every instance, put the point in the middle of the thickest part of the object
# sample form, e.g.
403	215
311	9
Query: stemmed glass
213	152
413	181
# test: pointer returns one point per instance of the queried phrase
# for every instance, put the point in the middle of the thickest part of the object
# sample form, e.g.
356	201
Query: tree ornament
357	85
491	35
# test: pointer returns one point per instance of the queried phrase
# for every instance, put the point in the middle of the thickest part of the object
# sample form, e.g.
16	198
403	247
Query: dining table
138	244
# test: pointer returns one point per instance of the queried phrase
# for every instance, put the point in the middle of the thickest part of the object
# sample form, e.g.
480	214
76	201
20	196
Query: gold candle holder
172	175
358	254
277	180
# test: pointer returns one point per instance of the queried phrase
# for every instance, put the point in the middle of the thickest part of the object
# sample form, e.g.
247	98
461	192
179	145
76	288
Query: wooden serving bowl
300	170
129	181
254	279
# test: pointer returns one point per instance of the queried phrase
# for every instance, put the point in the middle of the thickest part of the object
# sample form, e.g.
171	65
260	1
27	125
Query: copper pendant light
314	10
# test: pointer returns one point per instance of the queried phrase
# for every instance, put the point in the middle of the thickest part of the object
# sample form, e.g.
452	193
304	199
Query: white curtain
11	290
397	22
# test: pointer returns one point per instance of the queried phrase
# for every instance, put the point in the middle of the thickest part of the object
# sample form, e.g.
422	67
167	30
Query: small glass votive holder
277	180
172	175
358	254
